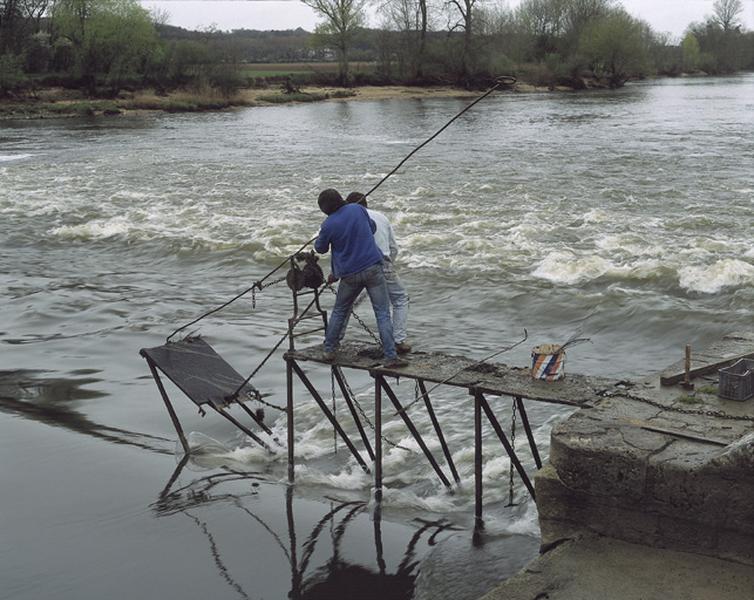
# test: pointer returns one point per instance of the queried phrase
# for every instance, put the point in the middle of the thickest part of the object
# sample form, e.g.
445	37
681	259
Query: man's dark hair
357	198
330	200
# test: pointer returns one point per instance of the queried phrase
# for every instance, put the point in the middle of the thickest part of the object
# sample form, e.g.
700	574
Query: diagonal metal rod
417	436
254	417
345	390
242	427
504	441
323	406
500	81
169	406
438	430
529	434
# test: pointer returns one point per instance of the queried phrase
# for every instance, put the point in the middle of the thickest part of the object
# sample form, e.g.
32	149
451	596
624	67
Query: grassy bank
52	102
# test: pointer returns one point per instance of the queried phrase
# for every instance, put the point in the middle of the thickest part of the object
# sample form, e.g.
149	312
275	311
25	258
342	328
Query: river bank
56	102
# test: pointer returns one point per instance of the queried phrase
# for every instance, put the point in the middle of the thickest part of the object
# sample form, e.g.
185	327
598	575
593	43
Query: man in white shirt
385	239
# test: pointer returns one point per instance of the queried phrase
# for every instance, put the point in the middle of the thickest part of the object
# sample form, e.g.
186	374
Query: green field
292	69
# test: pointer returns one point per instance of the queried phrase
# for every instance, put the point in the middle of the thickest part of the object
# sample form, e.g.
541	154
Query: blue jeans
373	279
399	300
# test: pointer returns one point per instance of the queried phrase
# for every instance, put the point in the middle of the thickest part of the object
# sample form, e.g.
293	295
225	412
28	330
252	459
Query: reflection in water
335	578
50	400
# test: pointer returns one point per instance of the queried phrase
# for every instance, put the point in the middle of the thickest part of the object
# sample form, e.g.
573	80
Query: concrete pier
649	493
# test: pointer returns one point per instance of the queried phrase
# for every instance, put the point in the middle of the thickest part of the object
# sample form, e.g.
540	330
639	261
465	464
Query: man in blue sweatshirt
357	262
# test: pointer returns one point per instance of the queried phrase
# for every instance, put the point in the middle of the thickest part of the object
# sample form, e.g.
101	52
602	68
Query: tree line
102	46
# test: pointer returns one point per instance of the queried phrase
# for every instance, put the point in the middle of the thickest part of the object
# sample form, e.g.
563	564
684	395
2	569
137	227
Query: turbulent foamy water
626	216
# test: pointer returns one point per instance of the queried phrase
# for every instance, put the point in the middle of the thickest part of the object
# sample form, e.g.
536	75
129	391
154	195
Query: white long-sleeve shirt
384	236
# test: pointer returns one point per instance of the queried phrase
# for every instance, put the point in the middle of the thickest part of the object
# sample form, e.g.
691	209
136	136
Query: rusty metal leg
242	427
340	378
438	430
323	407
529	434
506	444
289	417
378	437
168	405
478	522
417	436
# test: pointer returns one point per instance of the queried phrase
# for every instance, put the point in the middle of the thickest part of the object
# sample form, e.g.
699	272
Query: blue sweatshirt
350	233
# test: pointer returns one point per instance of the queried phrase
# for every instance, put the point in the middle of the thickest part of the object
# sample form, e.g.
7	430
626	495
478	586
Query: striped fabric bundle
547	362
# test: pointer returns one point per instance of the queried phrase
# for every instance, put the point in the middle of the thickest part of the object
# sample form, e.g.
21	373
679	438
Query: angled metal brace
414	432
318	399
504	441
529	434
340	378
438	430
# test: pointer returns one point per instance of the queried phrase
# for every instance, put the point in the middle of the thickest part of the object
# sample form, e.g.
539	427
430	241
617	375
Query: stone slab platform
495	379
655	466
705	361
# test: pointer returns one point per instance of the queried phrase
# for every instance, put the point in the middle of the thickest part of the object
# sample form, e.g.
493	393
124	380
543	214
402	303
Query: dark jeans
373	279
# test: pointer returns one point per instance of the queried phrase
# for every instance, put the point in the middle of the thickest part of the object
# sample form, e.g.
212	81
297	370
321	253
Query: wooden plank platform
495	379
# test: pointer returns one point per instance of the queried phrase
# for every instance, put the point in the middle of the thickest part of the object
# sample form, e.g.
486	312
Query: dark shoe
403	348
328	356
395	363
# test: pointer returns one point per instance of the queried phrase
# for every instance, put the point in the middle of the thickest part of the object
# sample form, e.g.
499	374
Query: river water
624	216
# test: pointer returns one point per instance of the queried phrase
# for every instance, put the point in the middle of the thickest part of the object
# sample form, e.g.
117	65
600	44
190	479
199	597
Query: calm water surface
627	216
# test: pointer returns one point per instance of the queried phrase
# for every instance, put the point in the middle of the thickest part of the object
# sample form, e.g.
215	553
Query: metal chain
513	445
273	282
258	398
686	411
364	325
367	420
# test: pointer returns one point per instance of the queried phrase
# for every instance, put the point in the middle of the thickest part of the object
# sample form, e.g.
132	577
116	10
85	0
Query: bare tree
341	20
34	9
727	12
18	20
466	21
410	17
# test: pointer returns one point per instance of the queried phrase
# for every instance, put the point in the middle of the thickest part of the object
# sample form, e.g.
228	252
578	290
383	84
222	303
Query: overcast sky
663	15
